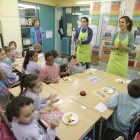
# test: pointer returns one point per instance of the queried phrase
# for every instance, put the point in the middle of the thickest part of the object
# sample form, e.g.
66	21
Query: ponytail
28	81
128	20
13	108
30	53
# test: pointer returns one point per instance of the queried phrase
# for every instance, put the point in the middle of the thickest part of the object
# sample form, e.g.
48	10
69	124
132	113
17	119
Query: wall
45	2
10	22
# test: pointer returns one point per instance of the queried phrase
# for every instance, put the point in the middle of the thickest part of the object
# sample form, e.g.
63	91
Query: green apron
83	50
118	61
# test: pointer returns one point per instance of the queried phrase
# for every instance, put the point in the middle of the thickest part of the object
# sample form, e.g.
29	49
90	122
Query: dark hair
54	52
30	53
7	48
1	49
128	20
70	57
47	54
12	42
13	108
28	81
36	20
85	19
134	88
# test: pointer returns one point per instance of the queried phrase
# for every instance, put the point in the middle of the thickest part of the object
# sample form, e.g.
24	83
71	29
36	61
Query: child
38	48
24	120
77	67
59	61
30	64
13	46
11	77
50	73
33	86
10	57
126	105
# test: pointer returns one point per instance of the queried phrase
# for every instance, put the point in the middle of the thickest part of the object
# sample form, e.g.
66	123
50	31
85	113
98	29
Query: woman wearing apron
83	37
121	44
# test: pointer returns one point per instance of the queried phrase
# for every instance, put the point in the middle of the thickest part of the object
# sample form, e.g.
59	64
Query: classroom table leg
93	134
100	130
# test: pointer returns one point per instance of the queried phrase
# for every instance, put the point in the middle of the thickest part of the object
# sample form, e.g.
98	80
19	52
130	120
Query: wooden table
18	68
78	83
87	119
90	100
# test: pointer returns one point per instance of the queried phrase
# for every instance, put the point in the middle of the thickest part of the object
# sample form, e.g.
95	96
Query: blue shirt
126	109
90	34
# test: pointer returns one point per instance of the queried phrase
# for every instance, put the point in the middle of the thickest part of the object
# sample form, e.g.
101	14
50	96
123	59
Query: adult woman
37	33
121	44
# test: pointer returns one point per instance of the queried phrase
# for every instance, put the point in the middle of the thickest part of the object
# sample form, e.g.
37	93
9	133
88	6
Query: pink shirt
50	73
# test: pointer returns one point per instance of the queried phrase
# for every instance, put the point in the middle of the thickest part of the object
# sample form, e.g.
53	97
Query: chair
3	77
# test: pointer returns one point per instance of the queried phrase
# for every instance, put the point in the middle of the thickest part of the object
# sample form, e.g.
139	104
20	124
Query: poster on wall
73	44
68	10
69	29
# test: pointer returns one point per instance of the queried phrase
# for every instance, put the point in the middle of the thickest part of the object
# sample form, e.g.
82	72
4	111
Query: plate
65	80
107	90
120	81
73	117
90	72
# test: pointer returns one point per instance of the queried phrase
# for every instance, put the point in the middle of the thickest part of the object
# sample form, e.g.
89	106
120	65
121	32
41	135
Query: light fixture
86	2
26	6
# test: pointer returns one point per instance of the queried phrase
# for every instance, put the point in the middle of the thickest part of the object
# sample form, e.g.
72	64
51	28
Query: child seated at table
50	72
13	46
30	64
24	120
37	47
77	67
11	76
127	105
60	61
10	57
31	86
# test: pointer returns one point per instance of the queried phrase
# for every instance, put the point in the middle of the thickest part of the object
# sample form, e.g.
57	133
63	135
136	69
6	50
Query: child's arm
22	69
113	102
49	82
63	62
65	73
9	63
77	69
13	58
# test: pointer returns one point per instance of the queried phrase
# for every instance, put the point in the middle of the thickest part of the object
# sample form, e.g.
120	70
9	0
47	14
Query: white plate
88	73
109	90
73	117
117	80
66	81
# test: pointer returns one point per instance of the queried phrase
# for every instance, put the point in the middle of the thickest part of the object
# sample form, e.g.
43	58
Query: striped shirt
32	131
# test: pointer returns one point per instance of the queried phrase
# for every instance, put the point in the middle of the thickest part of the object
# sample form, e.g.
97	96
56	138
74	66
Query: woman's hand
120	44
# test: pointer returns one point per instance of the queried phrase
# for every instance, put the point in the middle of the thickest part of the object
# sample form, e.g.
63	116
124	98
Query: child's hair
13	108
12	42
28	81
30	53
134	88
37	46
1	49
54	52
47	54
70	57
7	48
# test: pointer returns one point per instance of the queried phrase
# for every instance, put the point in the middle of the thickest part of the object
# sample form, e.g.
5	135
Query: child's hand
68	71
53	100
16	63
54	123
55	81
76	63
80	64
13	54
52	96
45	111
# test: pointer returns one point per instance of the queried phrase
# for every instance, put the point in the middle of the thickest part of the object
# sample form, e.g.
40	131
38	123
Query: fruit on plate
120	81
68	118
66	79
90	72
105	90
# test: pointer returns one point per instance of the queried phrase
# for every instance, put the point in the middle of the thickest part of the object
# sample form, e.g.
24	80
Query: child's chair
3	77
5	127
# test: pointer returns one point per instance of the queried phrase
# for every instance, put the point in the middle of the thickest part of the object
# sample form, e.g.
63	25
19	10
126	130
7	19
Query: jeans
87	65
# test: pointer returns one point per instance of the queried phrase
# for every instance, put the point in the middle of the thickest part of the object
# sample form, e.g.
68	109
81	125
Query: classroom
70	69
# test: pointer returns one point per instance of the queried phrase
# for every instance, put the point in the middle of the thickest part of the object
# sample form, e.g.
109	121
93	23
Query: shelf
28	16
27	27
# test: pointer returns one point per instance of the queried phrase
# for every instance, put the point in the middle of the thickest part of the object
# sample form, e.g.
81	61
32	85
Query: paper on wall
49	34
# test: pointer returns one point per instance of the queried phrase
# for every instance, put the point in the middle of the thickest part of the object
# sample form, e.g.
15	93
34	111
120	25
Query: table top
78	83
91	100
87	118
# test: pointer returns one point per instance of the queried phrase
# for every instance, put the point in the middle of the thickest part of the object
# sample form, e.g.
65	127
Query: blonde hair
37	46
36	20
7	48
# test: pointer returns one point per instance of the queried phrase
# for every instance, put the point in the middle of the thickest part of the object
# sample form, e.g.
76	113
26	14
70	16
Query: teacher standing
83	37
121	44
37	33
